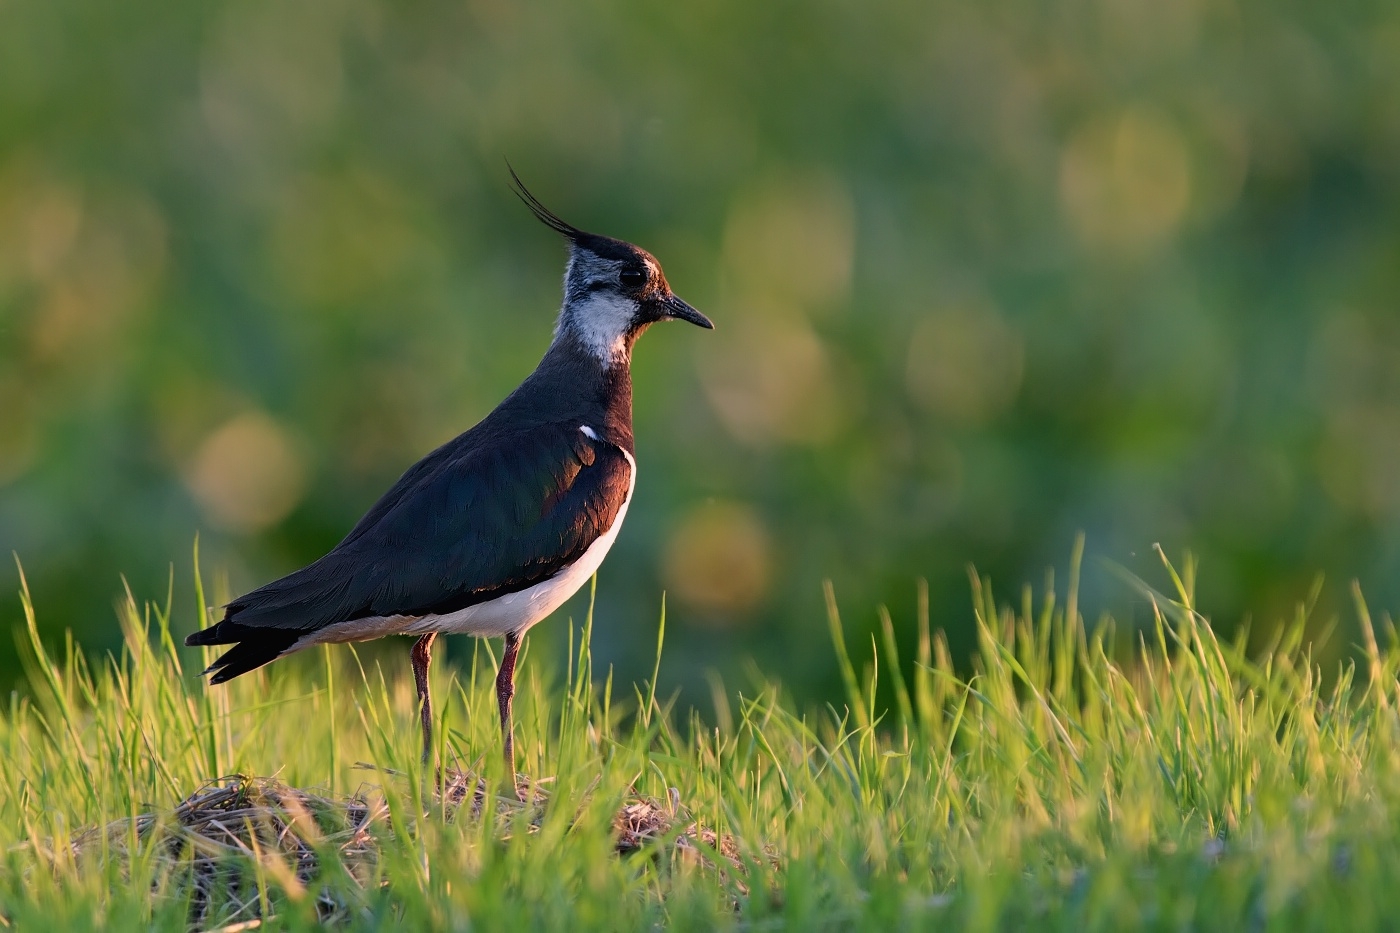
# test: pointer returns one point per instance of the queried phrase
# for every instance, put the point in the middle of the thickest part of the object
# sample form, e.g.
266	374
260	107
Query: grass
1078	779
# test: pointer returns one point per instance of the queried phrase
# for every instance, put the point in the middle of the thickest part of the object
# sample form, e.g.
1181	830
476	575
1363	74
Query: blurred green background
985	274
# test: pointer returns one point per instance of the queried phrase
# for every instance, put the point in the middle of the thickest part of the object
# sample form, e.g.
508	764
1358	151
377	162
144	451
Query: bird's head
612	290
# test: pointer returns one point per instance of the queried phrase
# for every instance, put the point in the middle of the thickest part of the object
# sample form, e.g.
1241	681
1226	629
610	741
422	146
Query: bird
494	530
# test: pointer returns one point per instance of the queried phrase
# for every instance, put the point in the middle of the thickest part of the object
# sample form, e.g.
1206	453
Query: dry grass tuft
223	844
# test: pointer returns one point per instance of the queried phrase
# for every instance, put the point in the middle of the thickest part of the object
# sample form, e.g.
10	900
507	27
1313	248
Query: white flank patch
601	322
514	612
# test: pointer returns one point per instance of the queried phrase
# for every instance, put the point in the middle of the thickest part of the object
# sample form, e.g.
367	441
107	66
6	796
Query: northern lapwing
495	529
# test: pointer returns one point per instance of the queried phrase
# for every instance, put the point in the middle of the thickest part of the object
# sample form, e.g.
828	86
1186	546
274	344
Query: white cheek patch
601	322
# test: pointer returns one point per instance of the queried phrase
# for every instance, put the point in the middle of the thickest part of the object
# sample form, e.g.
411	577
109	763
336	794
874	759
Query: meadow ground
1073	779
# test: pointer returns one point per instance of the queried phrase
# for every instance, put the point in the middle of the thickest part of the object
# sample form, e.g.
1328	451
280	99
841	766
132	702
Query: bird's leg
505	692
423	656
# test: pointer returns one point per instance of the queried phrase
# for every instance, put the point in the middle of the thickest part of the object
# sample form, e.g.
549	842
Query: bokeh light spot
1125	182
719	560
248	474
965	363
769	379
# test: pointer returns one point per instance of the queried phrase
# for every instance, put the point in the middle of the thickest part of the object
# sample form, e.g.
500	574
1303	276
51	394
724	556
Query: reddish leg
505	692
423	656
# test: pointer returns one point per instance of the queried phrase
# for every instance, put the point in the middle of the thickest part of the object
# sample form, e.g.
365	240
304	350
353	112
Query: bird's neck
572	383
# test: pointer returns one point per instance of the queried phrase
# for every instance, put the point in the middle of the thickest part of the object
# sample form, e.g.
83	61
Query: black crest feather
545	215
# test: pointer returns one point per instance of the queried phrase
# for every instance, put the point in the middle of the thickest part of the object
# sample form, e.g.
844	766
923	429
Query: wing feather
462	526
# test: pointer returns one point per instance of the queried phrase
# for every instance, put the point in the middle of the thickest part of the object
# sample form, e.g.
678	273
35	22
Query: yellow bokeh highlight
1125	181
770	380
719	560
248	474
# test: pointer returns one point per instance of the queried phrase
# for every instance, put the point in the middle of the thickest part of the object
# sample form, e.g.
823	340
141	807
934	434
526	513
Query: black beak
673	307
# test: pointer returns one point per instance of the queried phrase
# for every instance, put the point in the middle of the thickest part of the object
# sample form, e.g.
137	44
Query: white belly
514	612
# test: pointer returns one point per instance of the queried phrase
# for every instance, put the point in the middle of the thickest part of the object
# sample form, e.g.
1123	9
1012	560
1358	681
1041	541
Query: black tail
263	624
252	647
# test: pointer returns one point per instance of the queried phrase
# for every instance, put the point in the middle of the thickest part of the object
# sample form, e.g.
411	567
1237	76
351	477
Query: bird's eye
632	278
